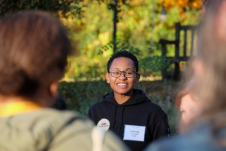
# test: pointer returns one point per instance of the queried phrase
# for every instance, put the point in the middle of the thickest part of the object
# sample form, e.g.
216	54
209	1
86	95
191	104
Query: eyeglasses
127	73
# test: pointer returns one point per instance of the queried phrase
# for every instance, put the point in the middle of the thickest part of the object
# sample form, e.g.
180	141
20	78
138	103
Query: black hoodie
137	110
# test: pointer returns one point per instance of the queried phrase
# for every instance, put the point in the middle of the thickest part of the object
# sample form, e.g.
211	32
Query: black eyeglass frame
124	72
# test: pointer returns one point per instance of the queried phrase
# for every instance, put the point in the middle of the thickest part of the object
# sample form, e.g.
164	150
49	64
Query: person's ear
53	89
198	68
137	77
107	77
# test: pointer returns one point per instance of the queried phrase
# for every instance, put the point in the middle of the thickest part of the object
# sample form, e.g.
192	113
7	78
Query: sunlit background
139	27
141	23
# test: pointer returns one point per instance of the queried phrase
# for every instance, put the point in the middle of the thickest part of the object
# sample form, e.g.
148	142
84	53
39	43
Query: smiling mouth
120	84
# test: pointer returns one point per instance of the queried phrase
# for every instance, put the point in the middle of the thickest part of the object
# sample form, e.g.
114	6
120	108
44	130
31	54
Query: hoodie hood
137	97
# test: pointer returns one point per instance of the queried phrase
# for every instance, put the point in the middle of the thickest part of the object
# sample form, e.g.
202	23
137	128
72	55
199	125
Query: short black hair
123	54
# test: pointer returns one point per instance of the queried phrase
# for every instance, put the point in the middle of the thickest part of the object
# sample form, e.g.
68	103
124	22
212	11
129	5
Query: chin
123	92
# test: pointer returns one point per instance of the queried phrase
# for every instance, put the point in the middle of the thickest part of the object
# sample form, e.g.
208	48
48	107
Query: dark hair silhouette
33	51
123	54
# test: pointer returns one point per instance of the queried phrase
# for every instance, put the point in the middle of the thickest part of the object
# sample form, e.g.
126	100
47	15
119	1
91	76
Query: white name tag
134	133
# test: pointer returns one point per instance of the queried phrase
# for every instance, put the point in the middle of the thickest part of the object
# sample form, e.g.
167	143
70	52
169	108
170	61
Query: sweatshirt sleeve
161	128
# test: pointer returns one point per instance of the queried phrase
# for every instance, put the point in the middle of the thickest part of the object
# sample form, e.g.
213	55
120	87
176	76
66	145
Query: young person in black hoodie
128	111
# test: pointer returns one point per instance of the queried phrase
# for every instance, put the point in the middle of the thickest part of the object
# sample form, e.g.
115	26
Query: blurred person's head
122	72
33	54
209	65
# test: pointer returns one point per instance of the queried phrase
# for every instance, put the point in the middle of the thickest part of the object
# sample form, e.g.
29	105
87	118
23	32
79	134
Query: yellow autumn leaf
181	3
196	4
168	4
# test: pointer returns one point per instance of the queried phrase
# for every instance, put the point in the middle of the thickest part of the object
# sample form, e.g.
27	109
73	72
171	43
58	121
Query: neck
120	99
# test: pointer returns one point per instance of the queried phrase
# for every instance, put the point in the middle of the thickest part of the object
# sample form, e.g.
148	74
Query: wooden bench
177	58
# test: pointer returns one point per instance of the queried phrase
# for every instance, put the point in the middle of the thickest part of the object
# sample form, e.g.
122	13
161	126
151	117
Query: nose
122	76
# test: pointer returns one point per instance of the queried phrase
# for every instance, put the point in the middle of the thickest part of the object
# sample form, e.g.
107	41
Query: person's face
122	85
189	109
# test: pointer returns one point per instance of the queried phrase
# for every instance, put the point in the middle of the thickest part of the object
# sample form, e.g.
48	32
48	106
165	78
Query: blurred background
98	28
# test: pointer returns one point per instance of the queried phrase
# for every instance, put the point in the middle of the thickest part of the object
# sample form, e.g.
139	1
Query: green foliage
138	31
155	63
81	95
120	46
90	24
54	6
90	33
146	64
